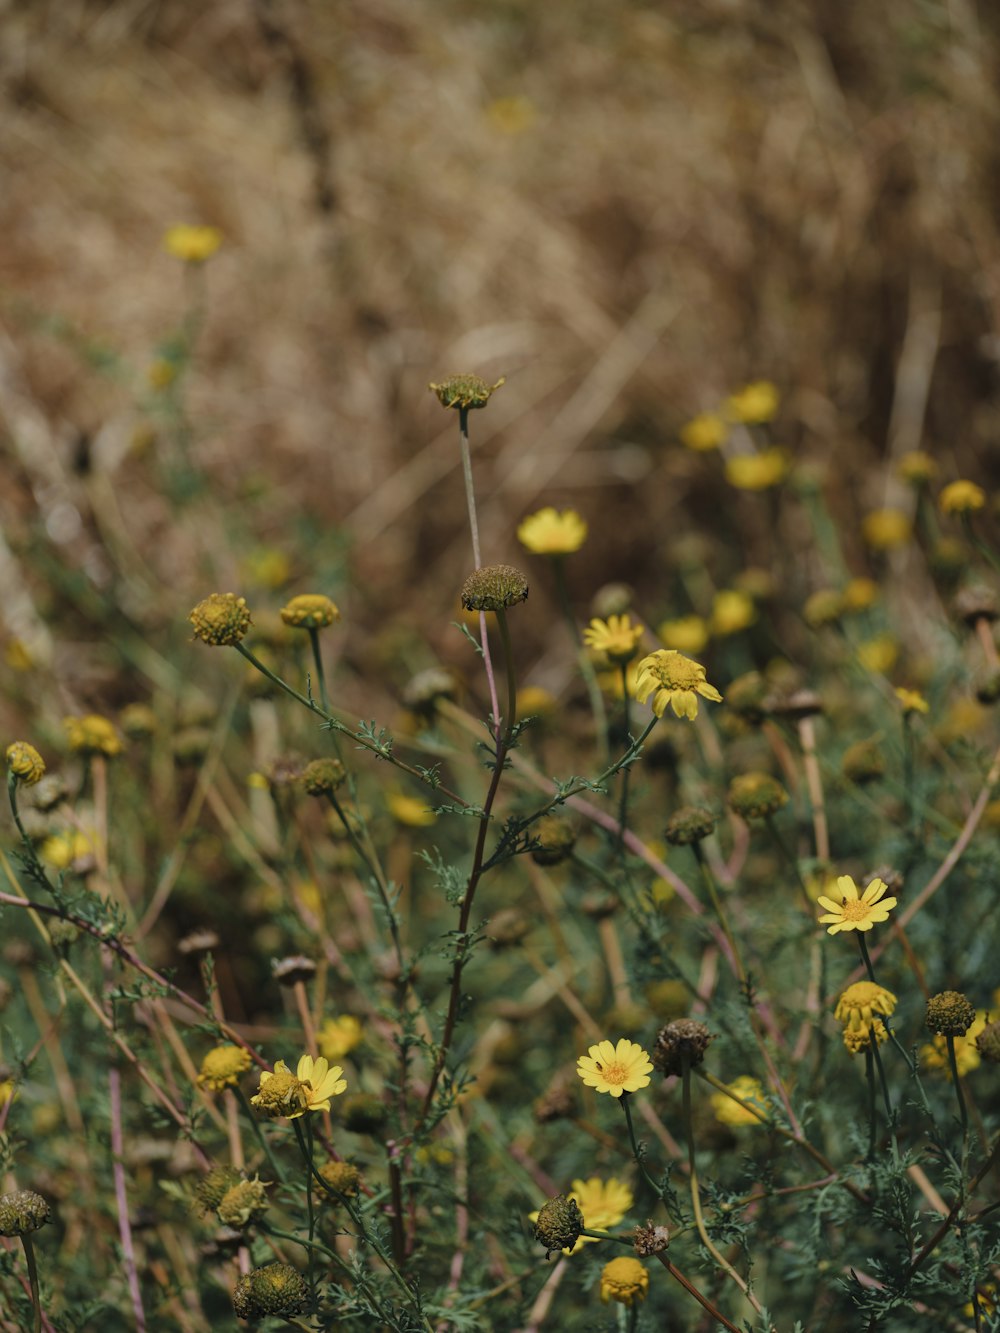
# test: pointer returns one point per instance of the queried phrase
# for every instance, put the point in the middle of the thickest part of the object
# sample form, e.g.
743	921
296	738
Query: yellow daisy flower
673	679
617	637
732	1113
732	611
967	1056
757	472
686	634
192	244
754	403
339	1036
615	1069
548	532
624	1280
885	529
912	701
961	497
704	432
861	1001
25	763
856	911
308	1089
222	1067
92	734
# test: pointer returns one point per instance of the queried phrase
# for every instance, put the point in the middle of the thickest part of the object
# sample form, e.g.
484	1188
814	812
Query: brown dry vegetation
706	193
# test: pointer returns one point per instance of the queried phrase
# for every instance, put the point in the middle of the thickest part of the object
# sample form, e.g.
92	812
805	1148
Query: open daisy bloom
615	1069
616	637
856	911
673	679
308	1089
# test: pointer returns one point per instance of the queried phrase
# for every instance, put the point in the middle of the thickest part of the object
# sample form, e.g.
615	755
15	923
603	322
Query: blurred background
629	210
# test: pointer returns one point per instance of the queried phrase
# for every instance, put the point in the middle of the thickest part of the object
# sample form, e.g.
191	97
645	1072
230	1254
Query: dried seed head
756	795
650	1240
681	1045
692	823
464	392
493	588
988	1042
950	1014
556	839
213	1188
241	1204
322	777
275	1289
559	1224
343	1177
22	1211
295	968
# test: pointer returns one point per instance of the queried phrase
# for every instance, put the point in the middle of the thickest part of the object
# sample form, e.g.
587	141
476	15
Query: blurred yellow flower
912	701
61	850
879	654
92	734
339	1036
603	1204
310	610
410	811
961	497
511	115
823	607
917	467
754	403
548	532
731	1113
885	529
222	1067
704	432
616	637
860	594
732	611
8	1090
268	567
757	472
161	373
17	656
192	244
535	701
686	634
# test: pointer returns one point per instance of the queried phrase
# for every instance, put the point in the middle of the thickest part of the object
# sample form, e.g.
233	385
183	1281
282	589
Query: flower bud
756	795
22	1211
221	619
275	1289
559	1224
493	588
950	1014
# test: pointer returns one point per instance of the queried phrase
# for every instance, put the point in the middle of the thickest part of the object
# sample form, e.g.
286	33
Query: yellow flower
861	1002
221	619
686	634
339	1036
603	1204
861	1038
967	1056
511	115
624	1280
676	680
61	850
756	402
615	1069
268	566
222	1067
92	734
860	594
548	532
917	467
731	1113
854	911
961	497
823	607
409	810
704	432
8	1090
464	392
17	656
756	472
878	654
192	244
308	1089
732	611
617	637
535	701
310	610
912	701
161	373
25	763
885	529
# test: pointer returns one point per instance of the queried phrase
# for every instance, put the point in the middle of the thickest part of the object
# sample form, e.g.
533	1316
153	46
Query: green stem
870	1077
635	1148
790	859
36	1304
699	1219
876	1054
318	660
720	912
623	803
375	870
963	1113
259	1133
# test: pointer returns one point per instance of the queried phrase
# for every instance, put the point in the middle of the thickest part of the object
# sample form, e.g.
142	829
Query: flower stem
699	1219
635	1148
320	675
586	666
963	1113
36	1304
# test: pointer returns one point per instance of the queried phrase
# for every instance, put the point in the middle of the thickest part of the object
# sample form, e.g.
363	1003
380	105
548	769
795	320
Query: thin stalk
470	501
623	802
320	674
963	1113
258	1132
635	1148
36	1304
121	1198
708	879
699	1219
875	1051
692	1290
586	666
